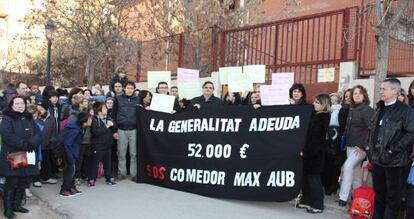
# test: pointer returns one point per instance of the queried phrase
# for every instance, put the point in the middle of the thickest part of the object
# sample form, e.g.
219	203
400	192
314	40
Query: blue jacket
73	135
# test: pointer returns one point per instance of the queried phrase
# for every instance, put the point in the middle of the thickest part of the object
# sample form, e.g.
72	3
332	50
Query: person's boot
8	197
17	205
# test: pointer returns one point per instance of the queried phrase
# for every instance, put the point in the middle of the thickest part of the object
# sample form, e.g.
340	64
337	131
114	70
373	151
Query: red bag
362	206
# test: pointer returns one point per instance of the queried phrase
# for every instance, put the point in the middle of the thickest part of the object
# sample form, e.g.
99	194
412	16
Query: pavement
131	200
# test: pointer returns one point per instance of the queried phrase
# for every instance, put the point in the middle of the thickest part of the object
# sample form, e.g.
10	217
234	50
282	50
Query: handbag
17	160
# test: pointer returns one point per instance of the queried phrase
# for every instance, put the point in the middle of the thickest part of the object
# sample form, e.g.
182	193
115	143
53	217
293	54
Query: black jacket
124	112
101	135
19	133
203	103
314	150
357	124
395	135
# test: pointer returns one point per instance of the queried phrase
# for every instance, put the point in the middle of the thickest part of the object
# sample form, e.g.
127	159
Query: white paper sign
187	76
31	158
287	78
225	71
240	82
154	77
274	94
326	75
257	73
162	103
189	91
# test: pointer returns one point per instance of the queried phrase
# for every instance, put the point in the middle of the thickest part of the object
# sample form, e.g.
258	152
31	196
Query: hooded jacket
73	135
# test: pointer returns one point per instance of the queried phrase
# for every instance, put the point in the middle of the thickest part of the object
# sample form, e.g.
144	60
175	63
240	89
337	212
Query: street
131	200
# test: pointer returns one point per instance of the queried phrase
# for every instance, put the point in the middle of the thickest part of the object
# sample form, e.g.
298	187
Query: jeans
388	190
105	158
68	172
351	172
127	137
312	191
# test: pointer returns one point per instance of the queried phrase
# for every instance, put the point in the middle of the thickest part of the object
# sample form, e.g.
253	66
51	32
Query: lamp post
50	28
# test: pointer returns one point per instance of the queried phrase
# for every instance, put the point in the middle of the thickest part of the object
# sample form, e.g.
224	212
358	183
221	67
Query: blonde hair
32	109
77	99
325	101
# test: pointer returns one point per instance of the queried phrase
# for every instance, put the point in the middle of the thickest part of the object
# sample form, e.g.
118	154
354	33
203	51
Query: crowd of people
99	135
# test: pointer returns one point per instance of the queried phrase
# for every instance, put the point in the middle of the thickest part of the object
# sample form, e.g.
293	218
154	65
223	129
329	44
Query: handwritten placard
239	82
326	74
187	76
225	71
257	73
285	78
154	77
274	94
162	103
189	91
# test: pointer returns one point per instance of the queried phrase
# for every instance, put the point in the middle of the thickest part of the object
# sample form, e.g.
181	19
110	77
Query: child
101	131
73	135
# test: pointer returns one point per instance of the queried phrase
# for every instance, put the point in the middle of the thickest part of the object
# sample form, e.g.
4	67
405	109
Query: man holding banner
207	98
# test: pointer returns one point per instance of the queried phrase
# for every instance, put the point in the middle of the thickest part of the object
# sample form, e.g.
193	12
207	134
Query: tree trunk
383	40
90	70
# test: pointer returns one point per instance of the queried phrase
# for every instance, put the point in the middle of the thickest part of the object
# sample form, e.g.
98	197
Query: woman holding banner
313	156
297	94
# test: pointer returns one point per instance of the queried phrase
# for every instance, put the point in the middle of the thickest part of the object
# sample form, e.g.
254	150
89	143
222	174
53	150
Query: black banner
231	152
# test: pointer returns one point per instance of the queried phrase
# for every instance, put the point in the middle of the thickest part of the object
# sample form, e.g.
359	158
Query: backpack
57	144
362	206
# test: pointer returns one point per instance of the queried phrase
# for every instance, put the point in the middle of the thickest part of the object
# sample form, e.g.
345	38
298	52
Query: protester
73	135
101	131
313	156
49	130
19	134
410	94
85	153
124	114
109	103
3	99
63	96
74	91
21	89
31	98
32	109
232	98
207	98
120	76
297	94
174	92
79	103
332	167
390	143
45	94
117	90
356	133
114	157
54	108
162	88
87	93
402	96
10	91
145	97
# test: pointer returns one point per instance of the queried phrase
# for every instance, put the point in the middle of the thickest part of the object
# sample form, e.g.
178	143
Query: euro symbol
243	151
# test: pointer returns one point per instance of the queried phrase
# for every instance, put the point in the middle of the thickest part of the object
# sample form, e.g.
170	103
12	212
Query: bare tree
93	29
386	21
